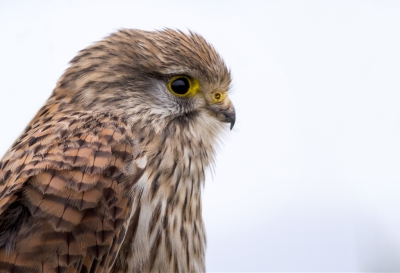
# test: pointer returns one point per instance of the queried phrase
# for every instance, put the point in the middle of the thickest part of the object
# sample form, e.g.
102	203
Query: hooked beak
224	111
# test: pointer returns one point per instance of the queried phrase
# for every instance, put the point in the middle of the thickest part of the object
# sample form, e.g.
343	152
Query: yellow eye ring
183	86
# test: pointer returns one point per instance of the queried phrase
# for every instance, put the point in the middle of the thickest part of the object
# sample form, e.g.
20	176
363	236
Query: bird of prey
107	177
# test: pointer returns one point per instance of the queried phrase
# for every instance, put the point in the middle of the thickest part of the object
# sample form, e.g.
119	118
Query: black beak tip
233	122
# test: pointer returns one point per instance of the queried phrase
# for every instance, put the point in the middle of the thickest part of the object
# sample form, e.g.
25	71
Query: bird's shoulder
68	172
76	142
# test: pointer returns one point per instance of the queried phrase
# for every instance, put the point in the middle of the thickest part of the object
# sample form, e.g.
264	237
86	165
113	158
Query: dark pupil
180	86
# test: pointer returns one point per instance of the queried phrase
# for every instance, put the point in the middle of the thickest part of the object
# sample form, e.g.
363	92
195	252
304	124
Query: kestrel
107	177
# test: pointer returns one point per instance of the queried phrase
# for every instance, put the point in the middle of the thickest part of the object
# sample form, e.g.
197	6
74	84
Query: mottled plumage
107	177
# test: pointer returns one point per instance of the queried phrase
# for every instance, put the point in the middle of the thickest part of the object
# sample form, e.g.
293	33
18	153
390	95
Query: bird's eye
180	86
183	86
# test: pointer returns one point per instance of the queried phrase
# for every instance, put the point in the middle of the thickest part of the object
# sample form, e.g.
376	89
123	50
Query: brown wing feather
62	201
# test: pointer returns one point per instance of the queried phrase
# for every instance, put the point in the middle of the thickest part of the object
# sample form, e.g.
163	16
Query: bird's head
162	77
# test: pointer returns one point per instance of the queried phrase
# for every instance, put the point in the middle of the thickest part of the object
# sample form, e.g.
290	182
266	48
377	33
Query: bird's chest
165	231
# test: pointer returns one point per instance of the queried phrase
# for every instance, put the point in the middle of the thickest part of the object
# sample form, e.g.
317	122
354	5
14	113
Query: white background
308	180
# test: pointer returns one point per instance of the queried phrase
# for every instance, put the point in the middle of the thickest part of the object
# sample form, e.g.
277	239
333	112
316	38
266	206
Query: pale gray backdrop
309	178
